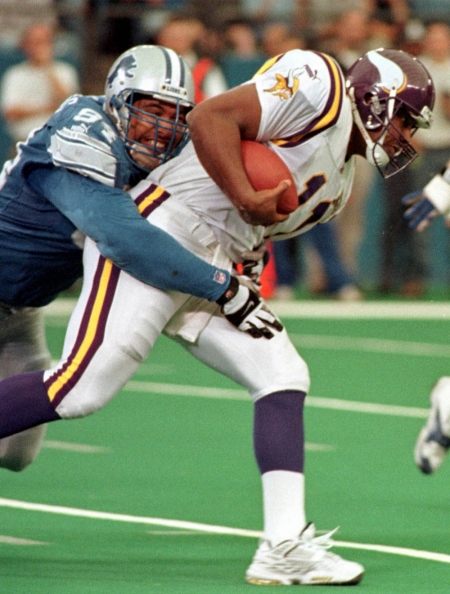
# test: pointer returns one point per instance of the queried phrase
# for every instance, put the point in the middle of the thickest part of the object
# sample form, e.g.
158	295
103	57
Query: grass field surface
159	491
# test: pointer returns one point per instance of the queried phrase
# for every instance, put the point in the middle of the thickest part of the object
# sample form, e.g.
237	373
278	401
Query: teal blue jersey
69	180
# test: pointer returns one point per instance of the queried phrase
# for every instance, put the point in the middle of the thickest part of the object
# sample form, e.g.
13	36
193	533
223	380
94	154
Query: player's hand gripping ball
265	170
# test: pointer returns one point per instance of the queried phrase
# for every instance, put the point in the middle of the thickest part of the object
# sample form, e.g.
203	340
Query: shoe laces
325	540
307	541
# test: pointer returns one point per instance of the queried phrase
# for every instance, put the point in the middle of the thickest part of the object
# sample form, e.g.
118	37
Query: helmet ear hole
115	102
368	98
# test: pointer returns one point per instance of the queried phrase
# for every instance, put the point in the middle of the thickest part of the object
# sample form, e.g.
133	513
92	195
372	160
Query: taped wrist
438	193
231	292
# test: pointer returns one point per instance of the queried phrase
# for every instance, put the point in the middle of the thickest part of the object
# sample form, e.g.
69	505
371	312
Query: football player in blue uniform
69	180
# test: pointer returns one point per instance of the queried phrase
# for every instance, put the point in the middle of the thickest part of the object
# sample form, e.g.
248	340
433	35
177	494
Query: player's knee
18	451
291	377
16	464
74	406
17	461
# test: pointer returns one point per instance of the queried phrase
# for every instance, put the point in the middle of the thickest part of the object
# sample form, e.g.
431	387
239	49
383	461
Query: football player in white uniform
303	108
433	442
68	180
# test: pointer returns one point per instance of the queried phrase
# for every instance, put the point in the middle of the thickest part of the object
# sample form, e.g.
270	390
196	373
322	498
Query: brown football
265	169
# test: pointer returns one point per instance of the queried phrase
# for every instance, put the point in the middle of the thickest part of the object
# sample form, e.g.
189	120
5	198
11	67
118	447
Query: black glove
245	309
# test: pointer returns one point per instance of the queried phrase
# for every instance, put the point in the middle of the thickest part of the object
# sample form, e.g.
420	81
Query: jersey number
312	186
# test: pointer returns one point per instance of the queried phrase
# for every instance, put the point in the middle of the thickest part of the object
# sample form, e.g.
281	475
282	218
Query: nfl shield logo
220	277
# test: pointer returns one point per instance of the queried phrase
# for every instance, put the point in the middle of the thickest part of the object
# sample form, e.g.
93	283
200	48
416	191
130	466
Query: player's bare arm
217	126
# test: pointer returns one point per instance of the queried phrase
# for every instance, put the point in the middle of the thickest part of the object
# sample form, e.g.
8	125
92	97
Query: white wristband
438	193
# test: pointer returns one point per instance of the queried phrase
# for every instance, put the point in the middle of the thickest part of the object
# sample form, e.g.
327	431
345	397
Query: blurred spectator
277	38
190	38
34	89
242	56
319	17
117	23
263	12
388	18
70	33
330	278
156	14
430	11
435	145
14	20
214	15
405	255
351	38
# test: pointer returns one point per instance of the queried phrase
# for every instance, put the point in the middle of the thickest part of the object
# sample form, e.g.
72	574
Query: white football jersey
306	119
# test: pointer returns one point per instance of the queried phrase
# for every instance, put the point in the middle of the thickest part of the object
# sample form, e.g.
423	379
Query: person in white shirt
35	88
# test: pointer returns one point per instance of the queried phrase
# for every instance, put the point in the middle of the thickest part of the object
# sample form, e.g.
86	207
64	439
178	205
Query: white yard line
75	447
406	310
370	345
21	542
206	528
401	310
314	401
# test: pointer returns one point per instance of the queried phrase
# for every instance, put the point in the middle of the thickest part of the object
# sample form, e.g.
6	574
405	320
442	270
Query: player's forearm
217	127
217	140
164	263
109	217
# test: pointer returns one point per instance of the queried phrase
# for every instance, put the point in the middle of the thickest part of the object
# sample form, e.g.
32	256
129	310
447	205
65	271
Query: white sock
283	504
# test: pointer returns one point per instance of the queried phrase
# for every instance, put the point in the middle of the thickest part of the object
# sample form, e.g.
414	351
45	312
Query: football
265	170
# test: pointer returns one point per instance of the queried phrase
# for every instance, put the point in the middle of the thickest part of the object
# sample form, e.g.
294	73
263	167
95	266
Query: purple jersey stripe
148	200
329	115
91	332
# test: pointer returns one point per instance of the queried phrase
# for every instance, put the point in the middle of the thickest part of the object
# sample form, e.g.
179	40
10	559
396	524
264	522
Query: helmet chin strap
375	153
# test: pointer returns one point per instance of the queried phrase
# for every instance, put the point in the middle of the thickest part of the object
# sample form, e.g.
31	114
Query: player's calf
24	403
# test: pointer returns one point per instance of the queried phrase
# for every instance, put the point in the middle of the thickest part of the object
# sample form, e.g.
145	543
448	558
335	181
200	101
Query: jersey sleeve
301	94
83	141
110	217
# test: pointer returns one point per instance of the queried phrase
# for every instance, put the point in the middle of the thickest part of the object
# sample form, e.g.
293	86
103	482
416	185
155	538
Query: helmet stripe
182	72
168	76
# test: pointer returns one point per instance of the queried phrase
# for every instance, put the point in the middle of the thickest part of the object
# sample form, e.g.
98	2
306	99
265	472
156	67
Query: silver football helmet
158	72
381	85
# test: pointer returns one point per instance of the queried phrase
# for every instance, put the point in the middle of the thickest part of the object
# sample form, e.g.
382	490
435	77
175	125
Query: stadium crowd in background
226	43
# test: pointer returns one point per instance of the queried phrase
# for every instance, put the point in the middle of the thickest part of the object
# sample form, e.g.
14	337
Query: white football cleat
433	442
303	561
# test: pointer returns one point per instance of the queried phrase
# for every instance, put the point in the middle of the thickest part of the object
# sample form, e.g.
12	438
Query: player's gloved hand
420	211
253	264
424	206
245	309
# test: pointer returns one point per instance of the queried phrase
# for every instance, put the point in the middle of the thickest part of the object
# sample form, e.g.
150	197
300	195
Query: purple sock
278	431
24	403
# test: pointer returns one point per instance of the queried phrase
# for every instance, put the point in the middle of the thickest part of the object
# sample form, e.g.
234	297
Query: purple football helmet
382	84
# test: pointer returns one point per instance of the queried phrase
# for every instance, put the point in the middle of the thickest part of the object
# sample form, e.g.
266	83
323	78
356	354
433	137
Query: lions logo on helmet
384	84
157	72
126	66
